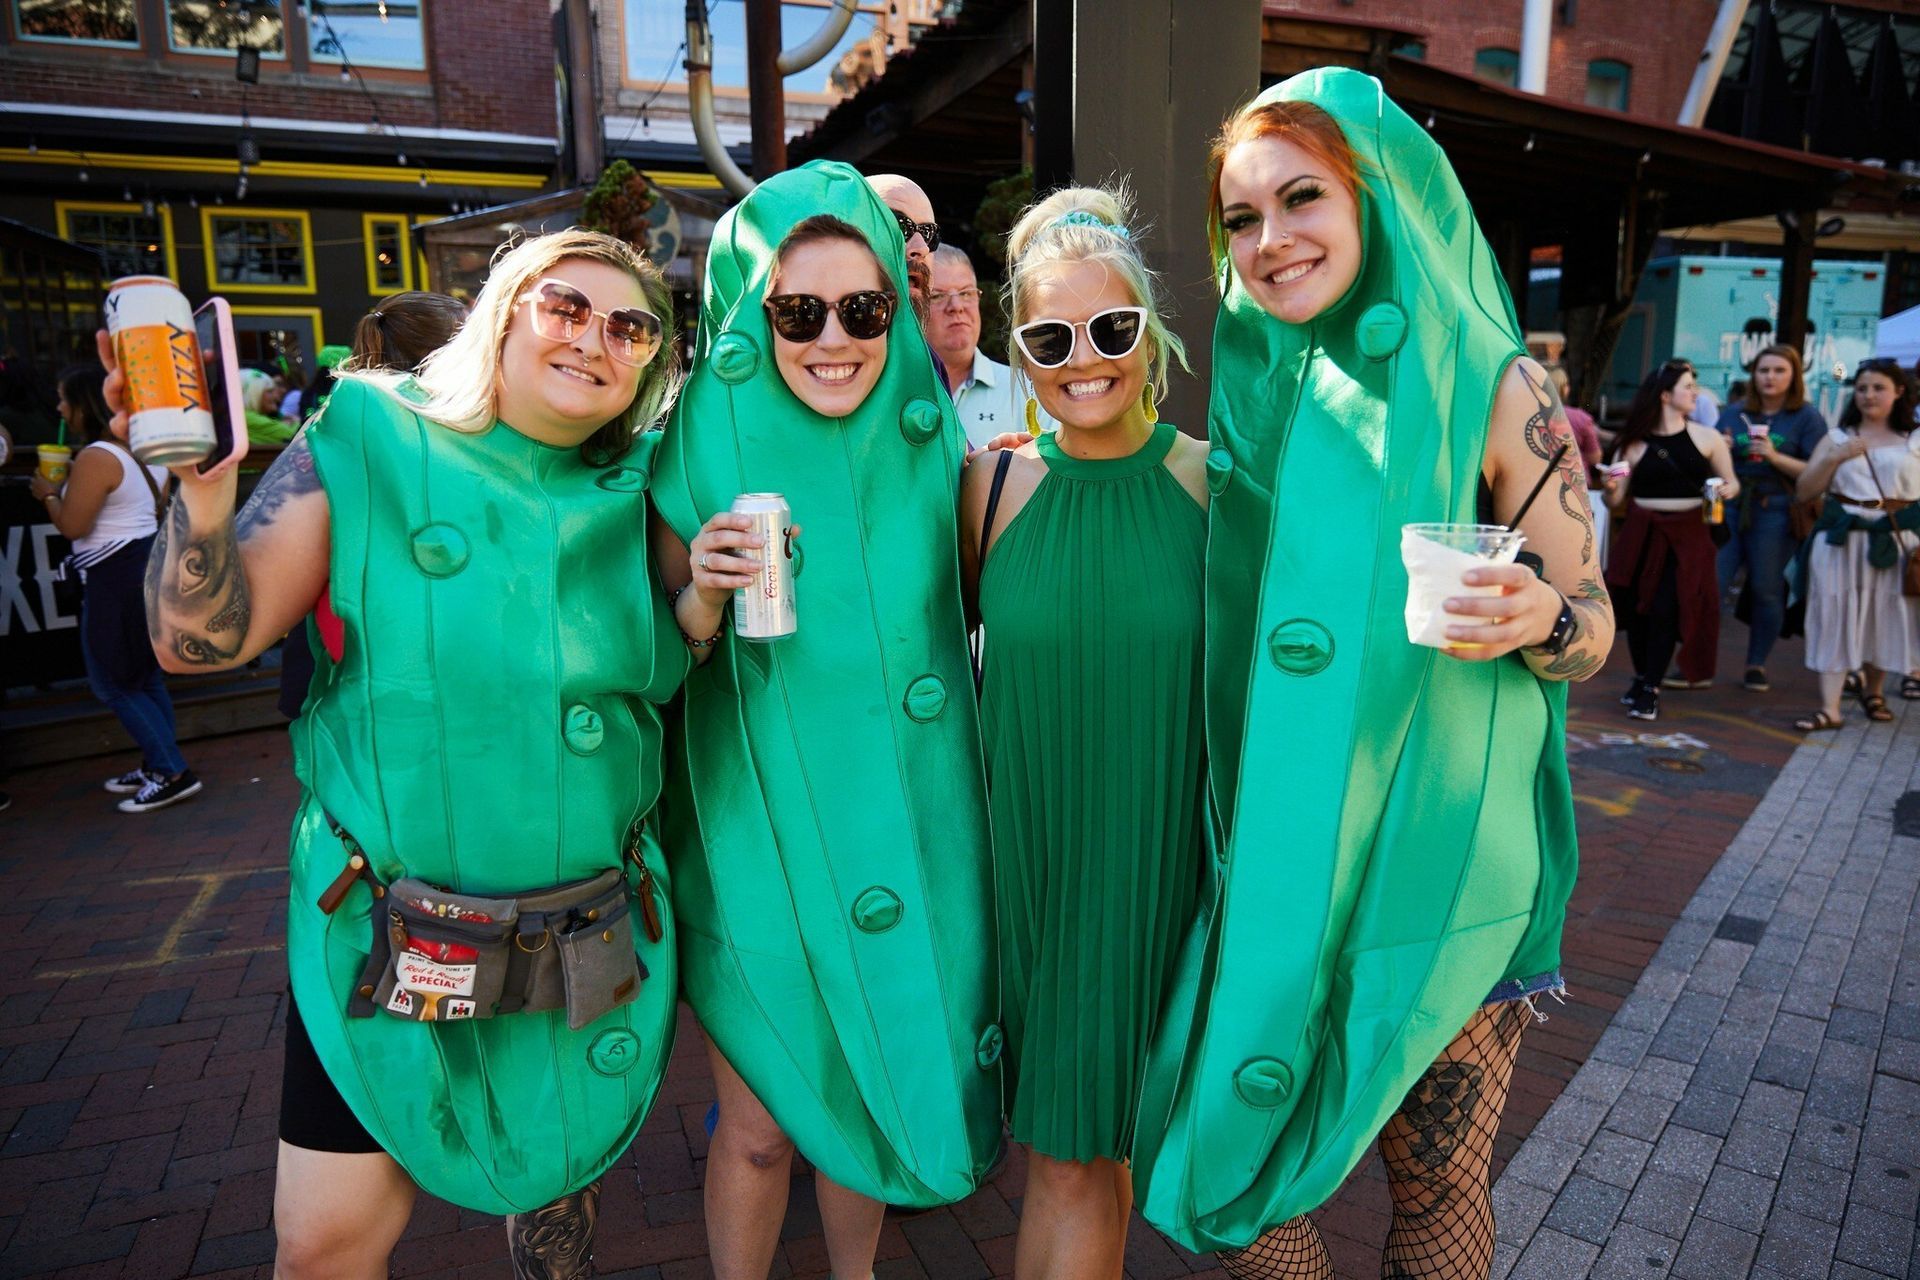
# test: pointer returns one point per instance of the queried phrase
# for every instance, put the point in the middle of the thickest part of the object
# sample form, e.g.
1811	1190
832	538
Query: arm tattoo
197	603
1547	428
555	1242
291	475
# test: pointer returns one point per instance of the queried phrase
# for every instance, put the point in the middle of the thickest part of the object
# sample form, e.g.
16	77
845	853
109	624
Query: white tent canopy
1900	337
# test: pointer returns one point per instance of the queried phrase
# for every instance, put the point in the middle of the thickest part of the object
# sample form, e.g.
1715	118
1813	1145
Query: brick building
128	128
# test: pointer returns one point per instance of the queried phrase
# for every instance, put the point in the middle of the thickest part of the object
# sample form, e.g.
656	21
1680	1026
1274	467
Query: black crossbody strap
993	501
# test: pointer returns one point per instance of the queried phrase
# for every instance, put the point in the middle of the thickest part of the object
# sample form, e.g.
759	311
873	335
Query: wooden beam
992	52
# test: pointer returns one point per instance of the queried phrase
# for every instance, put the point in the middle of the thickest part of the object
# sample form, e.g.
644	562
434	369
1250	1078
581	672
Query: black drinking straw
1541	483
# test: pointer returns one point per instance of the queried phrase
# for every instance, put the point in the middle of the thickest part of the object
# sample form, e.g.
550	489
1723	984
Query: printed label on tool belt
444	952
417	973
452	1009
400	1002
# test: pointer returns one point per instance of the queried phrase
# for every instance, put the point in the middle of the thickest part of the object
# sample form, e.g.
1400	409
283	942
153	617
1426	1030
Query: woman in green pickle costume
826	816
491	649
1394	822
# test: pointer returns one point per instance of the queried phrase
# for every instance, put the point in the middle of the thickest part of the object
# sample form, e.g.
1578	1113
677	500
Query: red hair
1301	123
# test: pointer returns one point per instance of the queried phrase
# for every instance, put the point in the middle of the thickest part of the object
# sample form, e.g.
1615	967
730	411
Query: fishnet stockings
1438	1148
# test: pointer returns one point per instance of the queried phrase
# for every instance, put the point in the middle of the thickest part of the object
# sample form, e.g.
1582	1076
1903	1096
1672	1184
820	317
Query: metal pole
1713	61
1536	35
1798	229
1053	94
766	91
583	93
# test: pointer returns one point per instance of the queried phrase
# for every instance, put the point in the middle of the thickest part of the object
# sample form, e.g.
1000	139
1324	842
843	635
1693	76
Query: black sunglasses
802	317
928	231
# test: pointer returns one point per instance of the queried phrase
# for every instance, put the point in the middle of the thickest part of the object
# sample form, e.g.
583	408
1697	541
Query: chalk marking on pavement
1624	802
210	883
1751	726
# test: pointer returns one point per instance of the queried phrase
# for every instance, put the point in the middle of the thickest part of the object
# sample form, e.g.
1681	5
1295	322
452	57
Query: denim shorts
1522	988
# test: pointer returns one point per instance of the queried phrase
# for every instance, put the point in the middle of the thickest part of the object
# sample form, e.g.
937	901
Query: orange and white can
158	351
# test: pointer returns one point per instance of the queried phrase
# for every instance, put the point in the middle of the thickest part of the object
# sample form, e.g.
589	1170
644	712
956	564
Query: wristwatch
1562	634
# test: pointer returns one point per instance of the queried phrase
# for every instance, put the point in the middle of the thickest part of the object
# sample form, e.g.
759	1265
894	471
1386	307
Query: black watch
1562	634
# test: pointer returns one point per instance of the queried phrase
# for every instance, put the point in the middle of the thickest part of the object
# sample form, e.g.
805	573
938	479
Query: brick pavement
1754	1108
139	1049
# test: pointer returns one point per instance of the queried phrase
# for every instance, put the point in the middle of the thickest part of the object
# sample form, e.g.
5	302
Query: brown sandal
1818	722
1876	708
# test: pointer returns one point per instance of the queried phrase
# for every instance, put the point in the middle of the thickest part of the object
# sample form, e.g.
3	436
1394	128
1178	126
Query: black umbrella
1833	98
1770	115
1891	122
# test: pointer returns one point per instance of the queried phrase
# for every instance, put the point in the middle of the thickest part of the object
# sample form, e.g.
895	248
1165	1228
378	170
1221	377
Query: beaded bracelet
673	599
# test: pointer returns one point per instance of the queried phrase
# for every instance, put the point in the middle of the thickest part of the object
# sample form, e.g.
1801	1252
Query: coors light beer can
765	611
156	348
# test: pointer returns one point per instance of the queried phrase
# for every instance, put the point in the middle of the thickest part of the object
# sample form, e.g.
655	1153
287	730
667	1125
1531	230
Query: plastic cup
1755	450
56	460
1437	557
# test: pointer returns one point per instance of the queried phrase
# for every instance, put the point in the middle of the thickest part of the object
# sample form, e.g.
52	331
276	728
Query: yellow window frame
62	208
207	215
274	313
369	221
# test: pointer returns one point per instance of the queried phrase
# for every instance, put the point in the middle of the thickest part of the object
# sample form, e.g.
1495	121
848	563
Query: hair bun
1087	218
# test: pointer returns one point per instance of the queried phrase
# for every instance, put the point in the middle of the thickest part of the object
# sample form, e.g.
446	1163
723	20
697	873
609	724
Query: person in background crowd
402	330
1771	431
1661	571
110	511
302	403
1867	474
1706	407
1585	435
918	228
983	389
260	394
395	337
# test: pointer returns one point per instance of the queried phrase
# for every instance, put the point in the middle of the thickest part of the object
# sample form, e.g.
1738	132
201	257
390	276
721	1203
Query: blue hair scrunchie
1082	218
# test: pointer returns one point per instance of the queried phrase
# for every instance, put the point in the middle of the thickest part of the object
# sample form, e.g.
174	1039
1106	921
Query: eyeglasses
928	231
562	313
1114	334
802	317
958	297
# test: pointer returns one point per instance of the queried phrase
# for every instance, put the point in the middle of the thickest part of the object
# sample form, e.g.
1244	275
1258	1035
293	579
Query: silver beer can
158	351
765	610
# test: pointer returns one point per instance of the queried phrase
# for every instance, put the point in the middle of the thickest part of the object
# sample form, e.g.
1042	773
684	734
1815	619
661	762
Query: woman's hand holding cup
1522	614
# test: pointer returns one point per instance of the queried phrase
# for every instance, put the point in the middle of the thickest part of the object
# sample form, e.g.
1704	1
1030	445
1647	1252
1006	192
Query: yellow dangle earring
1147	406
1033	417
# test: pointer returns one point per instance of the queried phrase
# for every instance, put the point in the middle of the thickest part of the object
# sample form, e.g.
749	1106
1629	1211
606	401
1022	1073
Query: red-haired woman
1393	892
1772	431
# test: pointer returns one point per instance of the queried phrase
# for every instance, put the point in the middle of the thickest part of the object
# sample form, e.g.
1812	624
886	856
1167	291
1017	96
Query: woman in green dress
1082	558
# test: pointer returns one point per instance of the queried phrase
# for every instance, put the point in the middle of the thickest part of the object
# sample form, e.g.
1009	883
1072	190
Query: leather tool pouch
438	956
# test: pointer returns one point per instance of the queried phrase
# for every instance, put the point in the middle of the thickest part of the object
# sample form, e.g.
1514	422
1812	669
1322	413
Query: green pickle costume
1396	827
490	728
826	814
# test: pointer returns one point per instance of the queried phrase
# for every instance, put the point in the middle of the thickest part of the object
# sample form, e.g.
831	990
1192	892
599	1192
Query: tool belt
440	956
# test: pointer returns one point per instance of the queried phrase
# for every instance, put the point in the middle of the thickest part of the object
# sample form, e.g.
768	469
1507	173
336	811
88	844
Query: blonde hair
1088	224
459	378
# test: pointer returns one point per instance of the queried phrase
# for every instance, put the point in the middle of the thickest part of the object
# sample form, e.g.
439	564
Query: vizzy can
158	352
765	610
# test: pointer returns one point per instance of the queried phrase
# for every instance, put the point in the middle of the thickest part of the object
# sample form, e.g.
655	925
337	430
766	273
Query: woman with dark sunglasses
1395	820
491	649
826	814
1082	557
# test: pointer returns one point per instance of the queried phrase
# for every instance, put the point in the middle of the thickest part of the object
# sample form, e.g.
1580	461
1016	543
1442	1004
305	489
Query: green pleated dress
1092	599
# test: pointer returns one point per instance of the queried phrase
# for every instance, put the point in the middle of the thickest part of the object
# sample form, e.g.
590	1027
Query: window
259	251
389	258
278	338
366	33
91	21
221	26
1607	83
133	241
1409	47
1502	66
656	29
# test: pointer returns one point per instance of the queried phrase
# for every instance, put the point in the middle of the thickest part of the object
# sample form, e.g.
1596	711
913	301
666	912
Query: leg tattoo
556	1242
